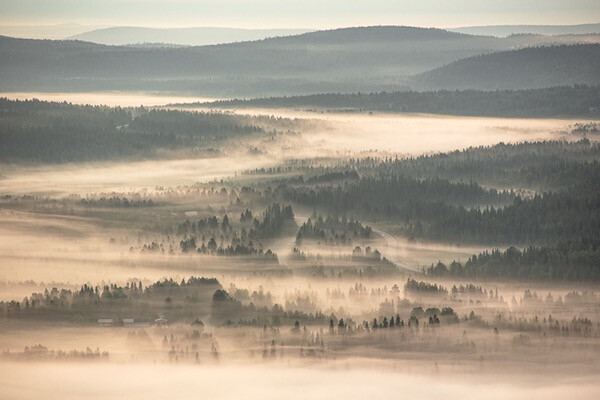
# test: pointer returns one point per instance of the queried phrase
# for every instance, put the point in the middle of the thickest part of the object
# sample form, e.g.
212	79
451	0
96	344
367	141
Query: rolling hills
381	58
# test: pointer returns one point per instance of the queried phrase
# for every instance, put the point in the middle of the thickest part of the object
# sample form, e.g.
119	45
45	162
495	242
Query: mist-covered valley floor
269	253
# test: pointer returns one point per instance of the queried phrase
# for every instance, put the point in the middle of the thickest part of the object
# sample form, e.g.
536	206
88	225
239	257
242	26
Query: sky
312	14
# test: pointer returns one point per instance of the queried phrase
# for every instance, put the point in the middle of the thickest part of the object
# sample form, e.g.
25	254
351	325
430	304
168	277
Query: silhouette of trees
568	260
577	100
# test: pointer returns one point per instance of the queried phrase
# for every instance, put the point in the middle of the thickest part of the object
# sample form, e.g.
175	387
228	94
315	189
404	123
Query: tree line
333	230
577	100
568	260
175	300
39	131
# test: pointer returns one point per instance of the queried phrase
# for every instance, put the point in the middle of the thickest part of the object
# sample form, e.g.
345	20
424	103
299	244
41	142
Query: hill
527	68
507	30
57	31
342	60
200	36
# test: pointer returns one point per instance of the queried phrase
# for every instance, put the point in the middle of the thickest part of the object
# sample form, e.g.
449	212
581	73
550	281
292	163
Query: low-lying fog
72	381
340	135
106	177
52	245
47	243
415	134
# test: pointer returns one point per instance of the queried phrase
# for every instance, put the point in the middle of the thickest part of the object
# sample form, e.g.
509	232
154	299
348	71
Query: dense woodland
186	299
332	230
555	210
203	125
220	236
440	210
578	100
381	195
539	166
569	260
38	131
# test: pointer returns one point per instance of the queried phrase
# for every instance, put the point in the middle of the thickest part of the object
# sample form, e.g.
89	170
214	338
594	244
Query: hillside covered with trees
535	67
356	59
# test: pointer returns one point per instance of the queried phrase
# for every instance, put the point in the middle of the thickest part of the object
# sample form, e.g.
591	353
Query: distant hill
507	30
57	31
200	36
566	101
362	59
535	67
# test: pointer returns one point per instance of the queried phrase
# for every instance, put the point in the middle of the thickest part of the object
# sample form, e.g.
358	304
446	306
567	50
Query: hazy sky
298	13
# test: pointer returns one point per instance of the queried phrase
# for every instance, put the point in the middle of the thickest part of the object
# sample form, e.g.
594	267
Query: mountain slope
535	67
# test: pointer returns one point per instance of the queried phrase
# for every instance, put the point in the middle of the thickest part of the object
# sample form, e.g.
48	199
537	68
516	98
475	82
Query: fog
75	249
101	298
158	382
453	360
334	137
415	255
106	177
413	134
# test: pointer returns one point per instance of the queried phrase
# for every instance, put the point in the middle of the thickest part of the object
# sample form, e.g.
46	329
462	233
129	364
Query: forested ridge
543	219
38	131
362	59
577	100
377	193
529	67
539	166
428	214
439	198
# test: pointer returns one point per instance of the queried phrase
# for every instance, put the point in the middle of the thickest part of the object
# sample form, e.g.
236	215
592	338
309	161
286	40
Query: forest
90	303
516	69
568	260
332	230
566	101
219	236
298	200
50	132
